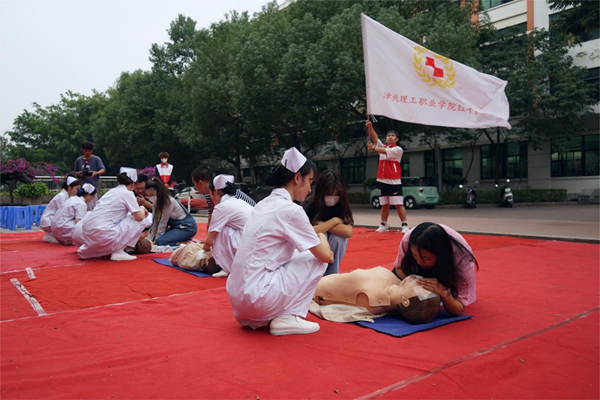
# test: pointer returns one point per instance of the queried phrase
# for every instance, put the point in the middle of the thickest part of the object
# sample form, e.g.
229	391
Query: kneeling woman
71	213
116	222
69	189
329	212
171	222
281	258
444	260
227	223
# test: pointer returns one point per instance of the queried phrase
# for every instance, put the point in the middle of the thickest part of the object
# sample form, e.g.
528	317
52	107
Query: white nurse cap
70	180
88	188
293	160
130	172
220	181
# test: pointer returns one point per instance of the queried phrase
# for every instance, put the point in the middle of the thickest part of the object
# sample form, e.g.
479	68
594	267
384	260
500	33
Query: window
246	172
452	162
485	4
512	157
575	156
260	174
593	78
405	164
513	29
430	166
353	169
583	35
321	165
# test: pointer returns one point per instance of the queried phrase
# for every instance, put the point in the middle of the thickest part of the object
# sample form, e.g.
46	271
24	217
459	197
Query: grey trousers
338	245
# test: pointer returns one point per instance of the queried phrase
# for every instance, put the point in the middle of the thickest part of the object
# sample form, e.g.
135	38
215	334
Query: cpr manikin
379	291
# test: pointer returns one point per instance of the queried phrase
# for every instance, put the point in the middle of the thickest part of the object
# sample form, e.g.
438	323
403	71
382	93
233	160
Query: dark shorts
390	194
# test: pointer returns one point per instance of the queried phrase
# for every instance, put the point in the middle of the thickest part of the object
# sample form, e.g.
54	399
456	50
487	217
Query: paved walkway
566	221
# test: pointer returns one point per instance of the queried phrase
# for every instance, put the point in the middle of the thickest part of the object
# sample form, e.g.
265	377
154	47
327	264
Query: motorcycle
471	197
506	195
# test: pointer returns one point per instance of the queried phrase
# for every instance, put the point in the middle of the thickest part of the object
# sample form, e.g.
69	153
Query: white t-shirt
391	153
276	229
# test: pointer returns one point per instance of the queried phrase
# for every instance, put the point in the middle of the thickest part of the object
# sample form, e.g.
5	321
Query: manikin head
413	303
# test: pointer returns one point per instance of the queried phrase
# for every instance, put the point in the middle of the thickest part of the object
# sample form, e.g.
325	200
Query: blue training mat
167	262
397	327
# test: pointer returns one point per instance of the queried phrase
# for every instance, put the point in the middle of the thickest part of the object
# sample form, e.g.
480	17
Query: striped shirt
238	195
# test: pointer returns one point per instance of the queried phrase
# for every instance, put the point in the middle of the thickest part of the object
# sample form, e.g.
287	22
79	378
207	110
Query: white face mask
152	199
164	160
331	201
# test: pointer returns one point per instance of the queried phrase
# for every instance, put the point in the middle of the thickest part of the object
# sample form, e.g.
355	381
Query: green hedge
31	190
520	196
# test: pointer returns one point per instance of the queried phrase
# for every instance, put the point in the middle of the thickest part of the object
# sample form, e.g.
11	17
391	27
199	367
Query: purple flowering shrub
20	170
150	172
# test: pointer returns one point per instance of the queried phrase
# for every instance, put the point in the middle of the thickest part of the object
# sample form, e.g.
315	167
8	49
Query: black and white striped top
238	195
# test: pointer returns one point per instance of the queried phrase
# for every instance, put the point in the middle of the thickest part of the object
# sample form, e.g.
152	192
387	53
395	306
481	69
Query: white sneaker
292	325
383	227
220	274
404	229
122	256
48	237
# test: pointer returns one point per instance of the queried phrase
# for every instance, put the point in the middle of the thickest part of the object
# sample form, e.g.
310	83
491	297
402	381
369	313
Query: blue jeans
338	245
179	230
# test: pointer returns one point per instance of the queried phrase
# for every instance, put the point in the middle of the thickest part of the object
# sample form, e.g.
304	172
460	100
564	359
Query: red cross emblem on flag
437	72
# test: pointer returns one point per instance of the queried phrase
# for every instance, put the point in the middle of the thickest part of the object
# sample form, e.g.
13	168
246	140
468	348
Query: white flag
407	82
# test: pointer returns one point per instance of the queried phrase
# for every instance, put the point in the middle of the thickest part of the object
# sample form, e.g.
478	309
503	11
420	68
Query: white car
189	192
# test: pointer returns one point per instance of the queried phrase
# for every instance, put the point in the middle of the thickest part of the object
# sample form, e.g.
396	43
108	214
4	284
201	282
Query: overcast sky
50	46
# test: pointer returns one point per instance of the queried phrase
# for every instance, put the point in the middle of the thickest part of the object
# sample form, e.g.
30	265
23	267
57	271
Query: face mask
164	160
331	201
152	199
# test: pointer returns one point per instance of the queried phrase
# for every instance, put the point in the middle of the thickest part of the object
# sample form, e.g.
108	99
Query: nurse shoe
121	256
220	274
292	325
48	237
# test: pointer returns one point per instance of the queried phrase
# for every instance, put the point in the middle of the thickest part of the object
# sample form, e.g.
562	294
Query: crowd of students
273	253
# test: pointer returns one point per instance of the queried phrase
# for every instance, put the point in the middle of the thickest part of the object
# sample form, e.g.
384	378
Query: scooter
471	197
506	195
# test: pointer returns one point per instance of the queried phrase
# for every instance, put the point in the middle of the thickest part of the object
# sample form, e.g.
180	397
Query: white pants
225	246
102	242
287	290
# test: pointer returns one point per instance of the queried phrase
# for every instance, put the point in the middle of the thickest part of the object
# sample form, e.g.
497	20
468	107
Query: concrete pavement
561	222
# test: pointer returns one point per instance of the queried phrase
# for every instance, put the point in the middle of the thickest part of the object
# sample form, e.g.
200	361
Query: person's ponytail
123	179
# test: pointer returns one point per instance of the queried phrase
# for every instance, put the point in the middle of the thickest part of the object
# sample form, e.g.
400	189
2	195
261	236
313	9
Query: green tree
582	17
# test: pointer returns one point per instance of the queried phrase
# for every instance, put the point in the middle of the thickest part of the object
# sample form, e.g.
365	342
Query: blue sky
50	46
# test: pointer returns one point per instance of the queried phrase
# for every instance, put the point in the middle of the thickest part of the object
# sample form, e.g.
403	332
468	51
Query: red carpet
534	335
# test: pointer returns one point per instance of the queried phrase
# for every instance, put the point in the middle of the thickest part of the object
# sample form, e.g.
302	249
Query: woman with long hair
71	213
69	188
328	210
115	223
281	258
171	222
444	260
228	220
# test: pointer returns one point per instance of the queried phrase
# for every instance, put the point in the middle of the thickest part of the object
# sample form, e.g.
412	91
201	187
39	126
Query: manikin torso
376	289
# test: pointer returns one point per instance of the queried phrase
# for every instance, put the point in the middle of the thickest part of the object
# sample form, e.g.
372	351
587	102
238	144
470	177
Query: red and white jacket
165	172
389	162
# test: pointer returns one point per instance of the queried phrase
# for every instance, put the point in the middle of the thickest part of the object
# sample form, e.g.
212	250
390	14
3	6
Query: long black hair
281	176
434	239
124	179
328	183
162	193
